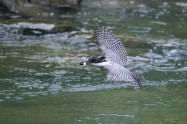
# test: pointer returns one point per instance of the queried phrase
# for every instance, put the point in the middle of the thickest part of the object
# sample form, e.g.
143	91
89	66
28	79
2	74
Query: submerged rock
42	26
35	7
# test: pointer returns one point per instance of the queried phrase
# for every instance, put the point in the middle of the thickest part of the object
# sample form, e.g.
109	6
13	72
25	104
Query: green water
157	105
42	82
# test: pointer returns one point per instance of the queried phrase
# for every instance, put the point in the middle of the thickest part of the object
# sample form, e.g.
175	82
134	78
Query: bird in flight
114	59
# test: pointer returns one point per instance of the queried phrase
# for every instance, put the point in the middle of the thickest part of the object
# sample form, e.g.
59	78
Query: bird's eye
91	59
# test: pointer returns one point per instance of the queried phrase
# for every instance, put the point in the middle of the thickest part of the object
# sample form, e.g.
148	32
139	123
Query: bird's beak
84	63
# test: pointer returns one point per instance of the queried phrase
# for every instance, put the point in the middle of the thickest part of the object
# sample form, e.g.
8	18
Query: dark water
41	81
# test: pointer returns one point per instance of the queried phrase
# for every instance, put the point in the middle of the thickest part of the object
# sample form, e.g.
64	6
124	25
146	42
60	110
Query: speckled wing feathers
111	45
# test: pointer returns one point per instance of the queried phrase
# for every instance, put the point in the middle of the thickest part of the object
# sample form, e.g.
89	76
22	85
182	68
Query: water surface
40	72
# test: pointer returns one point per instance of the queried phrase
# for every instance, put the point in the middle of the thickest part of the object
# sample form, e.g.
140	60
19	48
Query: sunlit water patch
49	64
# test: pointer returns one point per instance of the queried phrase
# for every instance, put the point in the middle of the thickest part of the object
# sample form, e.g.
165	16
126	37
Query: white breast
103	64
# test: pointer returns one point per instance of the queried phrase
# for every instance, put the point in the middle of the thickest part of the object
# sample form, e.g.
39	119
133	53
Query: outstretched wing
111	45
119	73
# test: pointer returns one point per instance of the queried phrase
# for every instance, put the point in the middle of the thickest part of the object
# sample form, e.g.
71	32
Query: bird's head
94	60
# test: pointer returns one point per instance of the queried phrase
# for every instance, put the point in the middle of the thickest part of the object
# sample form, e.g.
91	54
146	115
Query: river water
41	80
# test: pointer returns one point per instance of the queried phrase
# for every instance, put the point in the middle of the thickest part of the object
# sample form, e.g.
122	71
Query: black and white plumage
115	58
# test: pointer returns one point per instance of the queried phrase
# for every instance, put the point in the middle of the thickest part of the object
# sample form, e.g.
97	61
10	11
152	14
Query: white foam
182	4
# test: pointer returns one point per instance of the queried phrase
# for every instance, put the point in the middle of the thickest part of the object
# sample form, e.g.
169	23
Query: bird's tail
136	82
